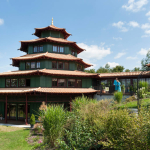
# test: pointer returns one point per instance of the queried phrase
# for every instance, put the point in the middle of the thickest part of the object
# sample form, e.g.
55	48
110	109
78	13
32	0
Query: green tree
117	69
90	71
127	70
136	69
145	61
105	69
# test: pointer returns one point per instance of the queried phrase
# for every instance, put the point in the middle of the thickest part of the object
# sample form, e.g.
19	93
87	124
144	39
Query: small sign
107	89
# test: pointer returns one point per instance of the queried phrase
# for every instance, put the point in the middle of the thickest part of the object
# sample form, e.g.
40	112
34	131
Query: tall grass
53	120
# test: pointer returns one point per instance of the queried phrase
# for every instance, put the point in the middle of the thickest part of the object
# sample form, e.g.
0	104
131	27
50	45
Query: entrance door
17	111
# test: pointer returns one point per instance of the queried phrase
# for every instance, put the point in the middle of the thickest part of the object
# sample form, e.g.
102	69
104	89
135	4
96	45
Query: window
61	82
73	53
60	65
35	49
58	49
79	67
61	50
13	82
22	82
32	65
54	82
54	65
66	66
38	48
27	65
38	64
54	48
41	48
71	82
7	82
79	83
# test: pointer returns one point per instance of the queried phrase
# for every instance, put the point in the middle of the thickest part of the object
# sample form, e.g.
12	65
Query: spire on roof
52	21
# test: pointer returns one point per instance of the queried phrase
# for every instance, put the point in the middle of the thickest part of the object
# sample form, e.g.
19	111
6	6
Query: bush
32	119
53	119
130	99
118	96
143	84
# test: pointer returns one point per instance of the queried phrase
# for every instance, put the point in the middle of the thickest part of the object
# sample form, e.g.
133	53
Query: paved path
12	125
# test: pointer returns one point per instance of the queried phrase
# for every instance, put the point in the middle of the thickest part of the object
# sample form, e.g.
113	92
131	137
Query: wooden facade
23	91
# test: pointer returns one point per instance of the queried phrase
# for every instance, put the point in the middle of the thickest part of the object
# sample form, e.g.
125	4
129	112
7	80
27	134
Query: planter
1	118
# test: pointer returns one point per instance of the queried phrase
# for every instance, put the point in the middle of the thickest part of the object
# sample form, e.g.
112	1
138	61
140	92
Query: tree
136	69
117	69
127	70
145	61
90	71
105	69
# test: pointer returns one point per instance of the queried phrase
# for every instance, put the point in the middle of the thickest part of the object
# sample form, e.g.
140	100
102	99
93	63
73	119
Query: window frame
75	83
38	48
62	65
58	49
80	66
57	82
52	64
72	51
39	65
13	86
29	65
35	64
19	82
10	83
61	79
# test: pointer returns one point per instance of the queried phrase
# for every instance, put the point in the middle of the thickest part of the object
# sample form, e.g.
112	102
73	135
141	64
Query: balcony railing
111	89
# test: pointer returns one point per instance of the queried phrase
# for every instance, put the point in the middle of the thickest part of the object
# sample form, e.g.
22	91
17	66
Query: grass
133	104
12	138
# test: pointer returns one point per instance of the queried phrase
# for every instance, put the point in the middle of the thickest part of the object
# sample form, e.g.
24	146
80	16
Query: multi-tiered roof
48	37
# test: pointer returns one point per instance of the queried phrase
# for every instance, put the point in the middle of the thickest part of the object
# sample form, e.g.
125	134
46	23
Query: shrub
53	119
32	119
130	99
118	96
38	128
143	84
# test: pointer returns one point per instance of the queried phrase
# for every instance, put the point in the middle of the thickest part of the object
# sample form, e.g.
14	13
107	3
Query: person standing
116	84
119	86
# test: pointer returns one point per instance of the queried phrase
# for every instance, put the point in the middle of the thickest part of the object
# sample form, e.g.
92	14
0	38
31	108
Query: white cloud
93	52
119	55
143	51
112	64
144	36
133	24
145	26
1	21
148	14
147	31
135	6
120	25
130	57
149	18
117	38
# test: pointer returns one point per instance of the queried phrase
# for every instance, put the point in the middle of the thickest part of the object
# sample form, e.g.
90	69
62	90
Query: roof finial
52	21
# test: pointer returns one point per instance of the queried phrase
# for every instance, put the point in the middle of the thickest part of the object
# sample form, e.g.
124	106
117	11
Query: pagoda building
50	71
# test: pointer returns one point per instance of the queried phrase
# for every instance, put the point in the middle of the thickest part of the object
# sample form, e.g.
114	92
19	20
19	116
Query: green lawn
14	138
133	104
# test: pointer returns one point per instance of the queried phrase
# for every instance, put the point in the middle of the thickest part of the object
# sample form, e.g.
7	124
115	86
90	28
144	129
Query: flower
40	141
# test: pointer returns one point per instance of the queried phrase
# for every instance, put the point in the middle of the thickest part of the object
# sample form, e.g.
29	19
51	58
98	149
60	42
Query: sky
116	32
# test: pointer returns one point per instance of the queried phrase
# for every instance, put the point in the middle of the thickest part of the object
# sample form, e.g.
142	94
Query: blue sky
112	31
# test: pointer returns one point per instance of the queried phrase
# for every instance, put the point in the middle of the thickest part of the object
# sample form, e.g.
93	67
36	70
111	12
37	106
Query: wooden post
46	99
9	110
26	111
70	104
6	110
